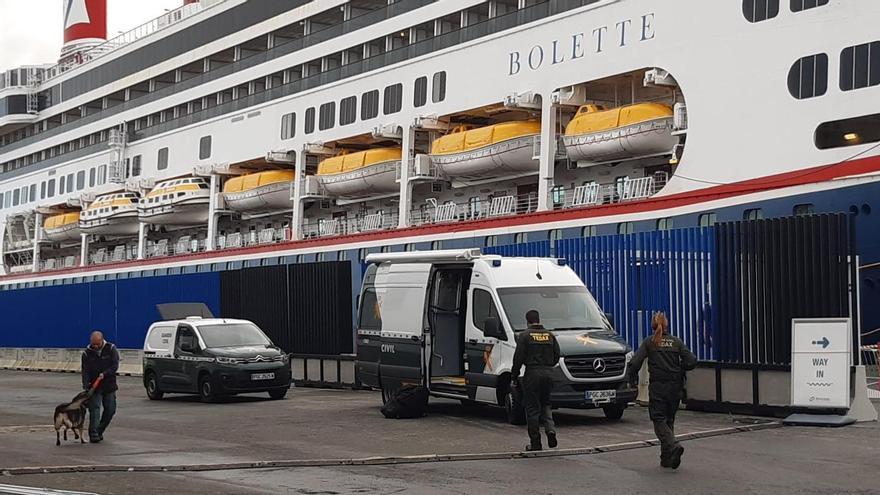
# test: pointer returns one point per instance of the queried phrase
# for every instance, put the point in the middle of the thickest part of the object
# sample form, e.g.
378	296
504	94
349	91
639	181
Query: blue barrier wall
64	315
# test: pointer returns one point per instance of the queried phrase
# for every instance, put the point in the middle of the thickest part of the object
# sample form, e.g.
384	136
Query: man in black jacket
537	350
100	359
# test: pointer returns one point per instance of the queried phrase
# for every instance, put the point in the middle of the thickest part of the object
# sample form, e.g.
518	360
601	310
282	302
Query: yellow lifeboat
62	227
492	151
176	202
363	173
598	135
111	214
262	191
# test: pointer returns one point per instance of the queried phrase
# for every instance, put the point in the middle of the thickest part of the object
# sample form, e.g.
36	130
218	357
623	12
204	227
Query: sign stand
821	359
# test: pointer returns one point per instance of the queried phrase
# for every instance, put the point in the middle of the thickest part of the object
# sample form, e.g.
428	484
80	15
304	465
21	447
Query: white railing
586	195
640	188
502	206
328	227
372	222
233	240
69	261
183	245
118	254
267	236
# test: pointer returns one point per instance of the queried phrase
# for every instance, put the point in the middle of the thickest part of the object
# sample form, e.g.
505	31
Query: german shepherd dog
72	416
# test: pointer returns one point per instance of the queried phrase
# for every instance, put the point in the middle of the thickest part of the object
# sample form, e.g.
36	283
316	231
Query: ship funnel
85	25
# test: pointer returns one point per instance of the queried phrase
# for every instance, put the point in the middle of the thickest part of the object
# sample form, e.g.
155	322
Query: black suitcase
411	401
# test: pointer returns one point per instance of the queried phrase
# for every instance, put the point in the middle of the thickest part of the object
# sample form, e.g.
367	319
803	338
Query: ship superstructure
241	130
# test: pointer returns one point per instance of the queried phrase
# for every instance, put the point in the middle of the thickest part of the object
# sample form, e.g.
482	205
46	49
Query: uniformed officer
668	360
537	350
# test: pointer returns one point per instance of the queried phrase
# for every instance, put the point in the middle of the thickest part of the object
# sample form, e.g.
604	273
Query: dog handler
668	360
537	350
100	359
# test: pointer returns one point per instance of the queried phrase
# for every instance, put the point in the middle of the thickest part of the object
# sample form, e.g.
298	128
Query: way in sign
820	373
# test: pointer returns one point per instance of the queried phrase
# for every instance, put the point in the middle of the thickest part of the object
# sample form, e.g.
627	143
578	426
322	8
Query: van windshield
233	335
560	308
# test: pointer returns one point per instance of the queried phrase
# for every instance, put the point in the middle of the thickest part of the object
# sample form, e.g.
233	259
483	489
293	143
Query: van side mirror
610	318
492	328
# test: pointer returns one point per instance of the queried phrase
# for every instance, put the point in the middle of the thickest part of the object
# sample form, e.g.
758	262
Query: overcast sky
31	30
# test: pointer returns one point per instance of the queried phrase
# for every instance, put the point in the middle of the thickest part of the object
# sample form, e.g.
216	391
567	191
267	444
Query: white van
448	320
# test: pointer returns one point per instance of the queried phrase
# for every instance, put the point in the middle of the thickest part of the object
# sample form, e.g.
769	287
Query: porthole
866	209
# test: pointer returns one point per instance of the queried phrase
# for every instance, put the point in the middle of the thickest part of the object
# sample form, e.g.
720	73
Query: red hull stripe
788	179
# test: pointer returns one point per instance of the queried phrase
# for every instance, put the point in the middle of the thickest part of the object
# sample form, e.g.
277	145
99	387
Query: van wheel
516	413
151	383
206	389
613	412
277	394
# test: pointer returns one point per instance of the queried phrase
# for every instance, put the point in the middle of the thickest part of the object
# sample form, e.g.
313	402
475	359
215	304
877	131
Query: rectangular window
102	175
799	5
310	121
327	117
804	209
288	126
753	214
16	197
205	148
92	177
665	224
1	201
61	181
32	196
438	90
162	159
808	77
80	180
420	93
136	165
43	190
370	318
708	219
370	105
860	66
50	188
484	308
393	102
348	110
70	183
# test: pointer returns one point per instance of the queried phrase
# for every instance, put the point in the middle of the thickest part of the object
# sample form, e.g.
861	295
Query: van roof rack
183	311
447	255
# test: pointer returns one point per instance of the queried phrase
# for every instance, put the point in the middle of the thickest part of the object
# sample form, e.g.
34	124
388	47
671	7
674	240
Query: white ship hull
271	197
379	178
648	138
122	224
511	157
187	212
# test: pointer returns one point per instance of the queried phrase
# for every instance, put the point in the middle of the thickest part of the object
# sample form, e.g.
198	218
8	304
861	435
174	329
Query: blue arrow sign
824	342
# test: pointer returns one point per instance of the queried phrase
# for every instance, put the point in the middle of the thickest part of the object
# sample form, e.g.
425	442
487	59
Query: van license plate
263	376
599	396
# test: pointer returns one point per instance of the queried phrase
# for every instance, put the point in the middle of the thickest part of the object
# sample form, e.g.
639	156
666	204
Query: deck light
851	136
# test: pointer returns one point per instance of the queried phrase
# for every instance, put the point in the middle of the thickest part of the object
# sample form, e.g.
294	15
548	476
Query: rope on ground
381	460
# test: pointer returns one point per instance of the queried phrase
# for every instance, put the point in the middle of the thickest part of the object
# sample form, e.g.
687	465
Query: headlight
285	358
629	356
224	360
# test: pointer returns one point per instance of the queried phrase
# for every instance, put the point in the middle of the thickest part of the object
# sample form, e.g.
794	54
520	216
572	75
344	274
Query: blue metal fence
633	275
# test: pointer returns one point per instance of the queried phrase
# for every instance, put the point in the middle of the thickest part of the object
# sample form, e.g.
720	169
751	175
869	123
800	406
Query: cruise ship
246	133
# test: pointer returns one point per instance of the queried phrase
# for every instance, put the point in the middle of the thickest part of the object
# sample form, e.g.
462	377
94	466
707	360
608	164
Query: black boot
675	457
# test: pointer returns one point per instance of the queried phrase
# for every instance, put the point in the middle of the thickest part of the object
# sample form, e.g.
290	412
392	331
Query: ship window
348	110
80	180
50	188
102	174
625	228
1	200
491	241
310	120
362	254
33	193
16	196
808	77
848	132
708	219
136	165
860	66
521	238
420	95
555	237
92	176
288	126
665	223
437	245
557	194
370	105
162	159
760	10
804	209
439	88
205	148
589	231
393	99
799	5
327	118
42	191
753	214
61	181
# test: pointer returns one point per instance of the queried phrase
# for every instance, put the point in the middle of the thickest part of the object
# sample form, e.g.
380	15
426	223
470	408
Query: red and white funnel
85	24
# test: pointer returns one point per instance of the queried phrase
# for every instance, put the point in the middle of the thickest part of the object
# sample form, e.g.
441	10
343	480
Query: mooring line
379	460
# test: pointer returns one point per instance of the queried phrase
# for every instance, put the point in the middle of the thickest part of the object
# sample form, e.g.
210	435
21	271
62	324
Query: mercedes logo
599	365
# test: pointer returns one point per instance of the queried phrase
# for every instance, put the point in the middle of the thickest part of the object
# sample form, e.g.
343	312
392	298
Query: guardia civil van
212	357
448	320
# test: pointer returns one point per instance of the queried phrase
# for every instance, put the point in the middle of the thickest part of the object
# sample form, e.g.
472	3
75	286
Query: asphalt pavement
338	425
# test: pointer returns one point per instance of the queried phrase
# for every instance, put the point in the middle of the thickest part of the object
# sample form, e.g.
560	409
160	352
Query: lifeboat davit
372	171
176	202
111	214
507	148
62	227
261	191
598	135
